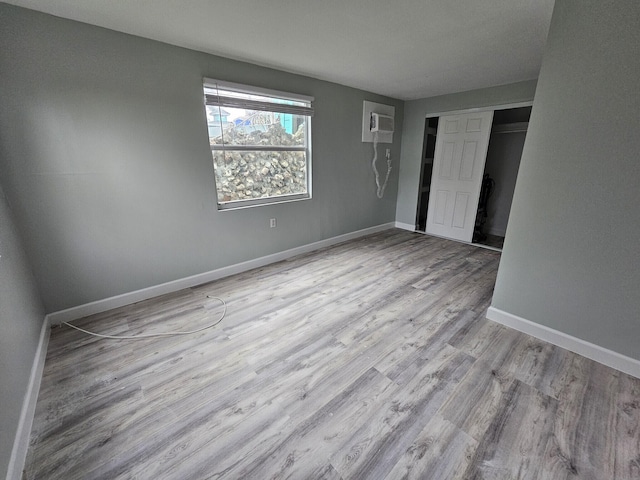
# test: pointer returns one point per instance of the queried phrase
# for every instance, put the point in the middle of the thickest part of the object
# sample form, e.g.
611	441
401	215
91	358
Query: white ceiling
405	49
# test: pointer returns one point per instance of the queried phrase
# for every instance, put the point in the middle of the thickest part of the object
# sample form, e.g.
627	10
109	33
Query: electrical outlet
272	223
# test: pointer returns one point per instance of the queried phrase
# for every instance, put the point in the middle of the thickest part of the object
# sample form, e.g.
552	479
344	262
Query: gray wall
21	319
416	111
571	260
105	156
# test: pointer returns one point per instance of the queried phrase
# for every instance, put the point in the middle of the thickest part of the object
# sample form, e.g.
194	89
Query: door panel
446	168
460	210
450	125
441	203
474	125
461	149
469	153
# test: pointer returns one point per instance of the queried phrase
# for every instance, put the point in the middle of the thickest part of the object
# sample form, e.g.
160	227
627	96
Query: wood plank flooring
371	359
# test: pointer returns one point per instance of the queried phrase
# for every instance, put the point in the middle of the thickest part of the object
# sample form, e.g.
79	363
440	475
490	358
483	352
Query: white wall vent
381	123
380	109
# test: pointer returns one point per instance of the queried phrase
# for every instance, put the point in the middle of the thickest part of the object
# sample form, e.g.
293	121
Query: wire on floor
160	334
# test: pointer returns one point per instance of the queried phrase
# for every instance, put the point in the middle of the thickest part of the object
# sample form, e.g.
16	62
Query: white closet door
458	166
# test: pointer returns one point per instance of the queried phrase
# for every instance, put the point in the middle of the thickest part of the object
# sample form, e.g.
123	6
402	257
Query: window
261	144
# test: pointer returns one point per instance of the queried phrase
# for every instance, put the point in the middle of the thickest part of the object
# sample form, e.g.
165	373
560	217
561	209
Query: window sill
243	204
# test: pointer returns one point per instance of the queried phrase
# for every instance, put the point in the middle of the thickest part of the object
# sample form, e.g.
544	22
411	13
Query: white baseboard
74	313
582	347
405	226
21	441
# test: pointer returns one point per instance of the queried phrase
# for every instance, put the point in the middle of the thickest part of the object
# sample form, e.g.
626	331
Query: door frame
502	106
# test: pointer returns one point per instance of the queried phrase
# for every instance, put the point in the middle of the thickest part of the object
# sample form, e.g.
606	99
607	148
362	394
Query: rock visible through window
260	142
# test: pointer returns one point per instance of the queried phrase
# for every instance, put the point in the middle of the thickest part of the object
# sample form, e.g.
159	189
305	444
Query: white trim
262	202
444	238
406	226
486	247
582	347
21	440
479	245
74	313
503	106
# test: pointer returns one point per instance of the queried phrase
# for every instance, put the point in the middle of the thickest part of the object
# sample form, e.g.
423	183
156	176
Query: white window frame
303	106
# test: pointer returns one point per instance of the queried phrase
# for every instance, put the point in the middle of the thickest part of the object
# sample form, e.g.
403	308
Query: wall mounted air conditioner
381	123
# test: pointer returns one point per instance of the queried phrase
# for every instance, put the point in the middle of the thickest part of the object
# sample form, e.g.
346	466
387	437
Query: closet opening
506	142
504	150
426	169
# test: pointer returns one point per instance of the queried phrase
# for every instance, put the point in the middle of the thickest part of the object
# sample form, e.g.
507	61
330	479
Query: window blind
225	94
236	102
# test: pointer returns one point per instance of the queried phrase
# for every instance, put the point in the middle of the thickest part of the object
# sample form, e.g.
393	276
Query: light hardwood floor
371	359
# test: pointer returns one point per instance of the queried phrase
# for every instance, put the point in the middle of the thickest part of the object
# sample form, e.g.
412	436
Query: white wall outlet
272	223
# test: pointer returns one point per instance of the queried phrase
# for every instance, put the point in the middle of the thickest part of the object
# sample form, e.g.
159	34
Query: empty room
319	240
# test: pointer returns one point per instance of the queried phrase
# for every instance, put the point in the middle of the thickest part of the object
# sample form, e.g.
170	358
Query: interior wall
415	112
503	160
21	318
571	260
106	158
